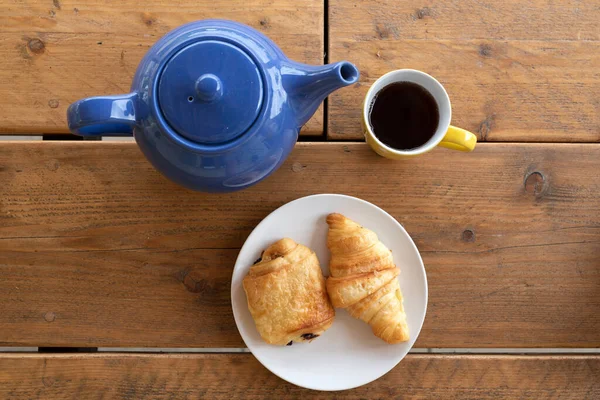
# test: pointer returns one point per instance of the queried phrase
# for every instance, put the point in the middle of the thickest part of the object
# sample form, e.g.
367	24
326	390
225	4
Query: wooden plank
226	376
55	52
514	71
97	249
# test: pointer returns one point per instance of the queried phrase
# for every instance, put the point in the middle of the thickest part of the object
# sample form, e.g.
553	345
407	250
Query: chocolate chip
290	343
260	259
308	336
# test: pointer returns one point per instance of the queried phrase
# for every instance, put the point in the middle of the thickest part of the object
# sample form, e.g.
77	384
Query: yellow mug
446	135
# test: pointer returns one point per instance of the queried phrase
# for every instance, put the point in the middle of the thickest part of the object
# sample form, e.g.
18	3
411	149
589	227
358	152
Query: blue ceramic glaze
214	105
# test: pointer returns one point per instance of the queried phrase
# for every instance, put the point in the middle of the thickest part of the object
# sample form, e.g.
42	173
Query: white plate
348	354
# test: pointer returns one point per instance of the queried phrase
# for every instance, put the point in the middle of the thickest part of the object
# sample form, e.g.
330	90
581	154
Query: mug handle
103	116
459	139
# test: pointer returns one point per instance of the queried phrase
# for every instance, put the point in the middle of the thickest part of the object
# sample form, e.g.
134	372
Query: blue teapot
214	105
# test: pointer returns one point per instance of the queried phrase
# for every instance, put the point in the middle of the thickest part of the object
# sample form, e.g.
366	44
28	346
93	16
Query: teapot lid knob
210	92
209	88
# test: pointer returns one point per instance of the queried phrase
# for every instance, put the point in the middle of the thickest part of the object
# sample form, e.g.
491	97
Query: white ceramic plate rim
238	265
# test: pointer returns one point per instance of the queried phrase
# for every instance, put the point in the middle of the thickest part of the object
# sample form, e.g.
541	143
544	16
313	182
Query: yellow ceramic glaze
458	139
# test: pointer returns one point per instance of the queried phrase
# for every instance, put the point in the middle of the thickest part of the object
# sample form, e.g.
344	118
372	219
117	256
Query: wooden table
99	252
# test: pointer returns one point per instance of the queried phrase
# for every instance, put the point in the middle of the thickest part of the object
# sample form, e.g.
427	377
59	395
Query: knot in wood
468	235
535	183
264	22
423	12
297	167
486	126
36	46
485	50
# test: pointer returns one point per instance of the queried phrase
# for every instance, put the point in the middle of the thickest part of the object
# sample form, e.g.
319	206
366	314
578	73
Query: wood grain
514	71
226	376
55	52
98	249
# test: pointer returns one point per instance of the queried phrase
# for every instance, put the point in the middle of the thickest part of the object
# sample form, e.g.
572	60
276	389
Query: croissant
363	279
286	294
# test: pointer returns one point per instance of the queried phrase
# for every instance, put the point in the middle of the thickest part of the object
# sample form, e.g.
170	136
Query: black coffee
404	115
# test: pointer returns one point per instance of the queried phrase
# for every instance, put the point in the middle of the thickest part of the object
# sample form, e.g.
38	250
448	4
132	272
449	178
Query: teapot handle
103	116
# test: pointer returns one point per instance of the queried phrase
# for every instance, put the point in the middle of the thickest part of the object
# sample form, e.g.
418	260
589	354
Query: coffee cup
399	116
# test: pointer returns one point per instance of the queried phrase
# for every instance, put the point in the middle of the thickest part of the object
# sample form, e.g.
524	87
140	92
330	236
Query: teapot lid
210	92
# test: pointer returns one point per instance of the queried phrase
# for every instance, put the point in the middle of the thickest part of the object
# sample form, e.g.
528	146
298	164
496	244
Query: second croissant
364	279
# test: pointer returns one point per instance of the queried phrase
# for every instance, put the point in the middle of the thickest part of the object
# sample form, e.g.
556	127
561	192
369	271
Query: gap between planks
301	139
508	351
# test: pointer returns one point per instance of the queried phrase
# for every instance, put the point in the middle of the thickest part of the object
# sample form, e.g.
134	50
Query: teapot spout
308	85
